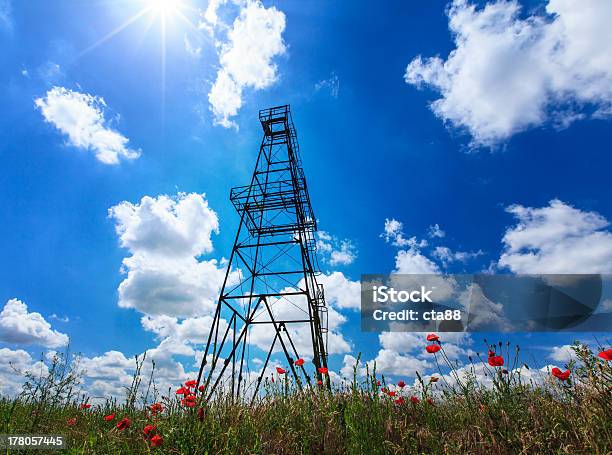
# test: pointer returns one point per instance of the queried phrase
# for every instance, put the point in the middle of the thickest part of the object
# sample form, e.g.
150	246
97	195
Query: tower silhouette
270	296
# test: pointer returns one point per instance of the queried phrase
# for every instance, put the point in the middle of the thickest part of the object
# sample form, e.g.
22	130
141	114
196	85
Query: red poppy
433	348
201	414
496	361
299	362
433	337
400	401
202	388
123	424
401	384
189	401
606	355
562	375
147	430
280	370
71	422
109	417
85	406
319	382
430	401
323	370
378	383
414	399
157	440
156	407
191	383
182	391
391	393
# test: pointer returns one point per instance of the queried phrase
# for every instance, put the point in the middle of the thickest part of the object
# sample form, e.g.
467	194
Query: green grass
509	418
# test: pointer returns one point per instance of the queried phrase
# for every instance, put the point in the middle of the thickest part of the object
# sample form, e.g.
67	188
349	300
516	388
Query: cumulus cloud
562	354
18	326
246	56
510	72
335	251
13	365
80	116
557	238
394	234
166	236
340	291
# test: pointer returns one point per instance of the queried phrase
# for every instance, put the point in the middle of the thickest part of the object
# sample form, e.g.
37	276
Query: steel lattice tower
270	289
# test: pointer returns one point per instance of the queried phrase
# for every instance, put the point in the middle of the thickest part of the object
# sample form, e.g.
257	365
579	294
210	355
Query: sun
163	7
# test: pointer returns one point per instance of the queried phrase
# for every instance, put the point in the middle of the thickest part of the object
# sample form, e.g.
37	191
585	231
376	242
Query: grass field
561	413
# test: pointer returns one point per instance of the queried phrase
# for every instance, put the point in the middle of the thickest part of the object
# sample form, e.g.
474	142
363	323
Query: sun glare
163	7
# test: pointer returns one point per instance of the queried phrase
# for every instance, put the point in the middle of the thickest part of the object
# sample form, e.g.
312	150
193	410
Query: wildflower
400	401
201	414
299	362
85	406
157	440
182	391
202	388
401	384
433	337
391	393
71	422
414	399
433	348
280	370
156	408
109	417
562	375
606	355
434	379
147	430
123	424
383	390
378	383
191	383
323	370
189	401
496	360
430	401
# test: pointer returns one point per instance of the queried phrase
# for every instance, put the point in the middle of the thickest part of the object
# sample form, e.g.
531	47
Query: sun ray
112	33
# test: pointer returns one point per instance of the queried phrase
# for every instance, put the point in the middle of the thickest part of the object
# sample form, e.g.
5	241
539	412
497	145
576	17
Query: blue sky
511	160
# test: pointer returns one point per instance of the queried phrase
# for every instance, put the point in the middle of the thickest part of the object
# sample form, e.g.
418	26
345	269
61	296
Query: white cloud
335	251
394	234
509	73
412	261
13	365
6	20
446	255
557	238
435	231
562	354
80	116
18	326
332	85
192	49
341	292
246	56
166	235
